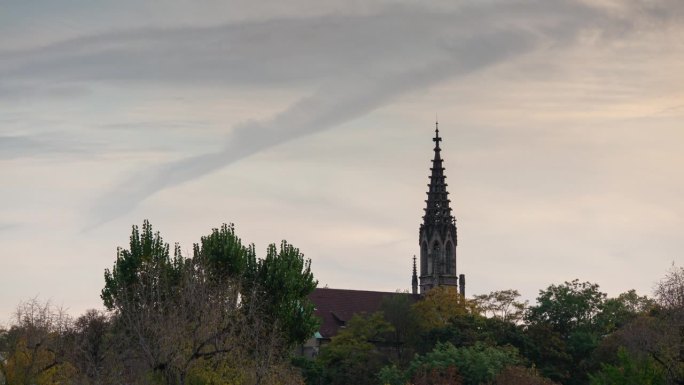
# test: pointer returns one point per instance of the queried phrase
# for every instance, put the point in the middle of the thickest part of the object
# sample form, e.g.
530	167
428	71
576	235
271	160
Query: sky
312	121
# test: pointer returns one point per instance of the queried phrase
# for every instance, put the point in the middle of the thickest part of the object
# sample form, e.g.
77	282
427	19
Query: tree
145	265
659	334
434	376
91	349
467	330
168	309
629	371
34	346
224	254
222	309
670	295
144	289
476	364
617	312
548	350
567	314
567	307
520	375
391	375
398	311
439	306
282	282
501	304
351	357
670	290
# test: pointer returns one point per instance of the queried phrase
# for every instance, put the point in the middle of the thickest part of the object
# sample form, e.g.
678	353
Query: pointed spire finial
437	139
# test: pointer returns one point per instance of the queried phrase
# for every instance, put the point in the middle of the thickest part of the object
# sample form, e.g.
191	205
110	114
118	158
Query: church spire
437	210
438	231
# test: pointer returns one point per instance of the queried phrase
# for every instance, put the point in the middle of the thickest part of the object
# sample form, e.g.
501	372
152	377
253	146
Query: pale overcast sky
312	121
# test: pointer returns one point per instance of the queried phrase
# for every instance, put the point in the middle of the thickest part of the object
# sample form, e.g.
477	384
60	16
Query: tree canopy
223	315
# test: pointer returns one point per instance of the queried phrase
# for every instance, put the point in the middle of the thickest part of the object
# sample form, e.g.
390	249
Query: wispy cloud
355	64
34	145
8	226
335	103
283	51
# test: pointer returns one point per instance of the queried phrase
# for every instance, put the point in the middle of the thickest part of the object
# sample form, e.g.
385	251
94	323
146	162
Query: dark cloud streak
39	145
331	105
355	63
284	51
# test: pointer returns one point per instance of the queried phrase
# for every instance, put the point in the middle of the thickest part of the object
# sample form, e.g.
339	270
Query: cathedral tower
437	237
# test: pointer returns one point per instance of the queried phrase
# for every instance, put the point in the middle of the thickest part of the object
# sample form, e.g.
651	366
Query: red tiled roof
337	306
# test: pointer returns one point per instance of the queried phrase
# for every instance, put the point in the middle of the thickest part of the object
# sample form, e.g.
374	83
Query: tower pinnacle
414	278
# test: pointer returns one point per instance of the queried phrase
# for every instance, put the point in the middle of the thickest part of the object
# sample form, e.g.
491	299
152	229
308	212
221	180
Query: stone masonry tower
437	237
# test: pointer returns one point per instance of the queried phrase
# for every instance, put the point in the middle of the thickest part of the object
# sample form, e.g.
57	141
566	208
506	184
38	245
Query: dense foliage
573	334
221	316
225	316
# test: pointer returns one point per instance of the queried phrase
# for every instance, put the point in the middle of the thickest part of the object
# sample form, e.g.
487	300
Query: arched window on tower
449	258
423	258
435	256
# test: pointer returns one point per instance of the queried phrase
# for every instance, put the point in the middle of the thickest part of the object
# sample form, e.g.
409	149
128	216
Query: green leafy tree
571	312
352	357
659	334
398	311
147	290
391	375
502	304
519	375
617	312
282	282
670	296
222	308
468	329
649	335
548	350
629	371
146	263
224	254
568	307
476	364
434	376
463	330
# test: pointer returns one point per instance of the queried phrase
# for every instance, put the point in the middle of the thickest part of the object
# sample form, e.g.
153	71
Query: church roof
335	307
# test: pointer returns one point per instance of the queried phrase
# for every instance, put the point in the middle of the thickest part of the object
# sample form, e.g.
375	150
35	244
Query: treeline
224	316
573	335
220	316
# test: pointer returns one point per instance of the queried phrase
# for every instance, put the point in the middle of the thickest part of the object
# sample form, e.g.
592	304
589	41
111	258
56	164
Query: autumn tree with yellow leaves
441	305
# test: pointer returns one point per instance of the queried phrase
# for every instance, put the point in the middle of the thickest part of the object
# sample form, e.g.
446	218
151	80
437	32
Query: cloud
35	145
353	63
8	226
335	103
283	51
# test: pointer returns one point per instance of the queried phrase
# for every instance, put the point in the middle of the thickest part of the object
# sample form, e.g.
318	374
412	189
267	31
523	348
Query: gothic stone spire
437	212
438	231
